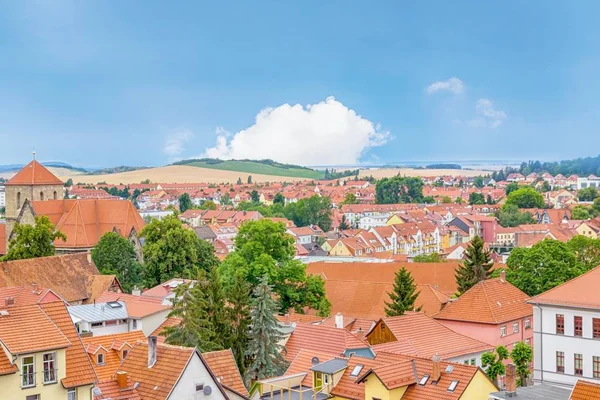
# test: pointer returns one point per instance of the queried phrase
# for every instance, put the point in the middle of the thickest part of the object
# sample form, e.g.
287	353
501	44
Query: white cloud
489	117
453	85
175	143
326	133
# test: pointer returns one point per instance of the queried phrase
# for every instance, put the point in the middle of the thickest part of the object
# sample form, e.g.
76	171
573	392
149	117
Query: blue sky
109	83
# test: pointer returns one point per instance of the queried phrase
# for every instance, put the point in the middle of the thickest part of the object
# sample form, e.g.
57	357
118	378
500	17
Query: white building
589	181
372	221
566	323
2	196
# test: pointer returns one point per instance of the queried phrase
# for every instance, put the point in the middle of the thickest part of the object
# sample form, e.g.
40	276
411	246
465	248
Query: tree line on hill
578	166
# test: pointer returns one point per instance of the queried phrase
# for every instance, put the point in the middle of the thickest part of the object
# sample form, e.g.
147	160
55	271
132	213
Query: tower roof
34	173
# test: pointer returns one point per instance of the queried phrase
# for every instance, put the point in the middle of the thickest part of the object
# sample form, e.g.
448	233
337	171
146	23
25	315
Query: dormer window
100	358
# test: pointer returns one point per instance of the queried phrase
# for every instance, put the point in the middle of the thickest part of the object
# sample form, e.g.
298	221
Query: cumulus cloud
488	117
326	133
453	85
175	143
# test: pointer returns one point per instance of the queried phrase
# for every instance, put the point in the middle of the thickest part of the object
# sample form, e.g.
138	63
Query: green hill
265	167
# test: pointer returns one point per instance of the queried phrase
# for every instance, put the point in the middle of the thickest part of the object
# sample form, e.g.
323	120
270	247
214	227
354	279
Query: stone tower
34	183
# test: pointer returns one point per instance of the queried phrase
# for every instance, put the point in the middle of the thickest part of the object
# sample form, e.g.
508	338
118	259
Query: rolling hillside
263	167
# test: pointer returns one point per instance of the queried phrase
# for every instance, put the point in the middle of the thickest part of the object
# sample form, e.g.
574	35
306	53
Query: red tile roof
137	306
422	336
112	359
84	221
171	321
304	361
578	292
79	369
34	173
223	365
321	338
585	390
493	301
111	391
2	239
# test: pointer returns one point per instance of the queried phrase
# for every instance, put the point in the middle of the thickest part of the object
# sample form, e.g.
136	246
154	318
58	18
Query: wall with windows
506	334
104	328
38	374
559	341
195	374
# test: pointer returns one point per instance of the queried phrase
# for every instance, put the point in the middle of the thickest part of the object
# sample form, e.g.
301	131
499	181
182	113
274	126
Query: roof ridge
487	299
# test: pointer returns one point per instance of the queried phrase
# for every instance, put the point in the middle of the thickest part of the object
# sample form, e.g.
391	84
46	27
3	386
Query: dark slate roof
332	366
536	392
205	233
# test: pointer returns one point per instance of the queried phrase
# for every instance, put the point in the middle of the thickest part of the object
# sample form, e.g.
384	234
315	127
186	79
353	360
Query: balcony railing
50	375
28	380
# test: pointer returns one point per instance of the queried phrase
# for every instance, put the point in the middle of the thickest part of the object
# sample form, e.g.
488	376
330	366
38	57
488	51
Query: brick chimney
510	382
9	301
122	379
339	321
360	334
503	276
152	340
436	372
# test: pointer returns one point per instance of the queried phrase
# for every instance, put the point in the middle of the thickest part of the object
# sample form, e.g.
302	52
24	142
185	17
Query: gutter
541	340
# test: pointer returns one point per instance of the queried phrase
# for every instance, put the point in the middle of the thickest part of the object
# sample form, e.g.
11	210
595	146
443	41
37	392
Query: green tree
586	250
428	258
239	181
239	318
525	197
522	356
171	251
511	187
264	248
493	363
446	200
476	266
208	205
315	210
478	182
343	224
588	194
459	200
185	203
399	190
543	266
226	200
403	295
264	349
254	196
350	199
115	255
476	198
249	179
194	329
580	213
279	199
510	216
69	182
488	200
32	241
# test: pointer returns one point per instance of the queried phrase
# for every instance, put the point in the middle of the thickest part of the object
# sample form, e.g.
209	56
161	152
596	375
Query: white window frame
515	327
503	331
527	323
49	372
98	359
72	394
25	373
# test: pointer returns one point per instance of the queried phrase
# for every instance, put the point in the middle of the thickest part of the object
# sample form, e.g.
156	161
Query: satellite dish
207	390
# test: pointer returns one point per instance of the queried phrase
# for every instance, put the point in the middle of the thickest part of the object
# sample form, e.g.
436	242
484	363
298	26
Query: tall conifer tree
476	266
403	294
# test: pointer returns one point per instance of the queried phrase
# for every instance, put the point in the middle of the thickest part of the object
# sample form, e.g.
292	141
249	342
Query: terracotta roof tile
492	301
321	338
66	275
79	369
585	390
98	284
304	361
26	295
157	382
112	359
6	367
170	321
223	365
427	337
84	221
34	173
578	292
395	375
2	239
111	391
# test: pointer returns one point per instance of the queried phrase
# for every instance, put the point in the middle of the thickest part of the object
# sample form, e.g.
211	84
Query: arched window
41	195
55	195
18	200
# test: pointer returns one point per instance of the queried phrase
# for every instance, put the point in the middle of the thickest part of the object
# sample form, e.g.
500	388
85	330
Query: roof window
452	386
356	370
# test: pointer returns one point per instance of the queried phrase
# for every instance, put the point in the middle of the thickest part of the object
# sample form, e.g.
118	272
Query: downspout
541	341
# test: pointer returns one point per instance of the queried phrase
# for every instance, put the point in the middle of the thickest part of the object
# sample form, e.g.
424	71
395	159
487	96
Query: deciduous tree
525	197
522	356
32	241
115	255
493	363
185	202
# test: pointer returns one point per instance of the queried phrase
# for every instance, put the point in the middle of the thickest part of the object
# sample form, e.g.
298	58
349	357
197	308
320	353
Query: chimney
136	291
436	373
89	257
503	276
122	379
9	301
151	351
339	321
286	319
34	287
510	382
360	334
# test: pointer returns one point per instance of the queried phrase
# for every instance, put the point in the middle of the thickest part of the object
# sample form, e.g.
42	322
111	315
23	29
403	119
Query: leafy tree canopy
510	216
525	197
32	241
399	190
115	255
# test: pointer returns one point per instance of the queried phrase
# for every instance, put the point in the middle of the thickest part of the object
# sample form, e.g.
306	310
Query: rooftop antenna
34	154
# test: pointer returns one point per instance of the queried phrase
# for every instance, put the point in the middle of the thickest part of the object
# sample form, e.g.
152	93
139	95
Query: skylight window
452	386
356	370
449	369
114	304
424	380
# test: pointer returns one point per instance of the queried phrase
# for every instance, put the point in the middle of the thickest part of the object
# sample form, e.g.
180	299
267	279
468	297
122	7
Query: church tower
34	183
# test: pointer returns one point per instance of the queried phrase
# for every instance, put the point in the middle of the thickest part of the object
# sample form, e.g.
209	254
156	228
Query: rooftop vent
315	361
97	391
